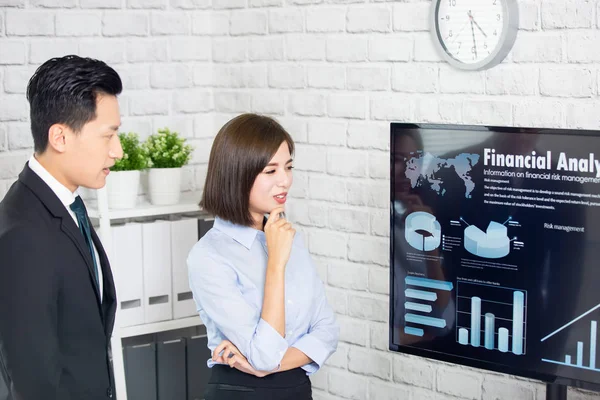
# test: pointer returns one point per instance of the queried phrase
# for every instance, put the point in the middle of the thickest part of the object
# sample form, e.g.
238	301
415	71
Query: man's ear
57	137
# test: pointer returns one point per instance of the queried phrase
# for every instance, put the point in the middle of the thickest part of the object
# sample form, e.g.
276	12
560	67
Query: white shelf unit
162	326
99	210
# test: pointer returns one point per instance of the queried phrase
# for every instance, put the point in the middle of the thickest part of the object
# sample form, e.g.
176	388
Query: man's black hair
64	91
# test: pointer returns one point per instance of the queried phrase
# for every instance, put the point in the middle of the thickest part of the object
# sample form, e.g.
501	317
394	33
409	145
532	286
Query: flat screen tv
495	249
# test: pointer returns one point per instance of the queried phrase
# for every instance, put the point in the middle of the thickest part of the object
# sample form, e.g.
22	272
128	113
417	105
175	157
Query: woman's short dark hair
64	91
241	150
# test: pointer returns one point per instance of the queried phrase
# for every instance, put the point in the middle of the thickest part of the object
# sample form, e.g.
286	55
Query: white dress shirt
67	198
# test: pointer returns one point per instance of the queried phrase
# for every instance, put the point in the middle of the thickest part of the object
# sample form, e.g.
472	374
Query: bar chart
420	294
491	317
585	354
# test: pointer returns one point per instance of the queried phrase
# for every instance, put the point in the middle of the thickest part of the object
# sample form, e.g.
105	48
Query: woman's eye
270	172
291	167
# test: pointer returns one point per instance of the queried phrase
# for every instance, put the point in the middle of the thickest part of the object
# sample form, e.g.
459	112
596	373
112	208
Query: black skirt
228	383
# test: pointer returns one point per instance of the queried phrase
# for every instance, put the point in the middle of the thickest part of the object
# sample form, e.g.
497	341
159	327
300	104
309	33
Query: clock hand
478	27
473	33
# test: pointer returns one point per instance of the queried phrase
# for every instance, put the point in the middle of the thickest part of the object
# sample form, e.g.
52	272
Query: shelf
160	326
187	204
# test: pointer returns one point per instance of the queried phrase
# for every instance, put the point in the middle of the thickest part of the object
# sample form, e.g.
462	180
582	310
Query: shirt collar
62	192
244	235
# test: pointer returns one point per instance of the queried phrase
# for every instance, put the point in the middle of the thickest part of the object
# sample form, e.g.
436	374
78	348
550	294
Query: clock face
473	34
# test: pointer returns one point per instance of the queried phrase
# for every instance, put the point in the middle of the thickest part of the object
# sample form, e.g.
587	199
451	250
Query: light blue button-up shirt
227	270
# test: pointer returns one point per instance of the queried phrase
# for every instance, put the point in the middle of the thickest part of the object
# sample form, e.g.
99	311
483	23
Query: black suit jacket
54	332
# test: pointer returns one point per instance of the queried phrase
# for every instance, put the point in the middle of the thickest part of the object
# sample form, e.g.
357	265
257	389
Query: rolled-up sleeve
322	338
215	289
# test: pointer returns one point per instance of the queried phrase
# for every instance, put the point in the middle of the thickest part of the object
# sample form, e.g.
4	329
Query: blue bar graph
475	321
517	323
593	330
409	330
428	283
494	317
503	340
420	294
426	290
579	357
423	320
463	336
489	331
409	305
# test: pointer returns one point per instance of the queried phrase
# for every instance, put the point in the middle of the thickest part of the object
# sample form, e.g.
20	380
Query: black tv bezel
454	359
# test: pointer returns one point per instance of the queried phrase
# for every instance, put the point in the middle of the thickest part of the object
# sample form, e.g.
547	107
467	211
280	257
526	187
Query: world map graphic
423	170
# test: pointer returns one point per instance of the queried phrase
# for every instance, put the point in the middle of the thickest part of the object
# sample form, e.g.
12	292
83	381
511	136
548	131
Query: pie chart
423	231
493	243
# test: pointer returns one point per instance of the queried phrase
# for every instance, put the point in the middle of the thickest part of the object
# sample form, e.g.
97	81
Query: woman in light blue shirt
256	288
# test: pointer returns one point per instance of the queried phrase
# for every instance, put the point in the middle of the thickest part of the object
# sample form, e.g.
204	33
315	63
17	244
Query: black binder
140	371
204	226
197	370
171	376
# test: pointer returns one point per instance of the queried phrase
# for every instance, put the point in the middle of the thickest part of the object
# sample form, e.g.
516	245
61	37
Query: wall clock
474	34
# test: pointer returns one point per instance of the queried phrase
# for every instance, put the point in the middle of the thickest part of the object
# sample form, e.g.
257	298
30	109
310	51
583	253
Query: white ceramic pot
122	189
164	185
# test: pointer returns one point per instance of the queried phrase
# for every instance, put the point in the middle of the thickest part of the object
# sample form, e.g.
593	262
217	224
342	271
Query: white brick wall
335	73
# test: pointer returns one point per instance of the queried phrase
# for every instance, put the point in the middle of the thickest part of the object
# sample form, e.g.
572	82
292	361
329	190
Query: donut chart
423	232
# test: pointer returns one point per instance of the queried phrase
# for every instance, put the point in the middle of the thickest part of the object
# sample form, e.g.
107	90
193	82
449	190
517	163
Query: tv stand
554	391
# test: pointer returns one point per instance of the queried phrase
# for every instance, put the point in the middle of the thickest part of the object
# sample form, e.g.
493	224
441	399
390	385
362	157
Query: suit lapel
109	300
58	210
69	227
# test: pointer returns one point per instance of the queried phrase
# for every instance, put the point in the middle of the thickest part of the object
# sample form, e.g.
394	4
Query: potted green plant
123	181
168	153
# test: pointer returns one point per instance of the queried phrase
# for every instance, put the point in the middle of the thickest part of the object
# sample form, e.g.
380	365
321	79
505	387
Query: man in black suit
57	296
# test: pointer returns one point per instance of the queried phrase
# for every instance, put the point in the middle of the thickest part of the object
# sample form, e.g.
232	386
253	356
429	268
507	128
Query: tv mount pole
554	391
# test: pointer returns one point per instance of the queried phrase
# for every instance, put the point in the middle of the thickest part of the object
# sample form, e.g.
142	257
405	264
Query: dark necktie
84	226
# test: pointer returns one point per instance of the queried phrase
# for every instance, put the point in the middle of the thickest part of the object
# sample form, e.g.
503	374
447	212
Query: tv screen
495	249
